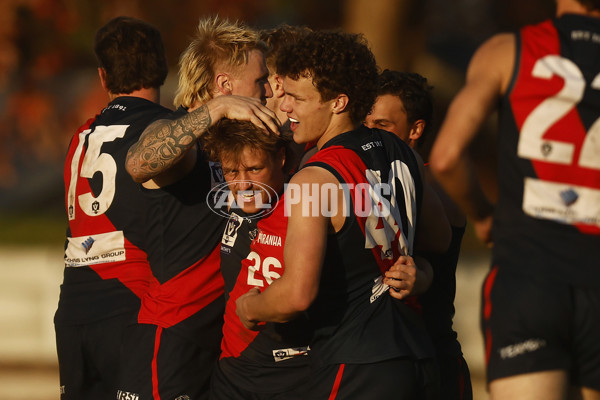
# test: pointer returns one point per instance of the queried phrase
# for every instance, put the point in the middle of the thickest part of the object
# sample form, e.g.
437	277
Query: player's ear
416	130
223	83
340	103
278	86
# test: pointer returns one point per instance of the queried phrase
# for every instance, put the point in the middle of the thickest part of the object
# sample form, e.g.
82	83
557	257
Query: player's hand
401	277
244	109
240	309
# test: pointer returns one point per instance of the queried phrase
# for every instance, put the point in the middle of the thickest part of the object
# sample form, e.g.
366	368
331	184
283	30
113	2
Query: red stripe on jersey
178	298
353	172
155	391
337	382
487	310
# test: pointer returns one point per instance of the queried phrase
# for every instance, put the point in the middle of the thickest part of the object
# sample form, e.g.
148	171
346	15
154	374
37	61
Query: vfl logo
87	245
230	234
216	173
95	207
220	199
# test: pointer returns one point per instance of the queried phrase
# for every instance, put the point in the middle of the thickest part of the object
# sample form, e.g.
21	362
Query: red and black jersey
106	267
354	318
548	214
183	234
273	359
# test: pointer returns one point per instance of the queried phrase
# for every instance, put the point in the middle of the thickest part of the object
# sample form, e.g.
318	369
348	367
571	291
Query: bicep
306	239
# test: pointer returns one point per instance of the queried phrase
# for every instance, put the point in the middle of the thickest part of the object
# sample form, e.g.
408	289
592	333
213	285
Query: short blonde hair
217	42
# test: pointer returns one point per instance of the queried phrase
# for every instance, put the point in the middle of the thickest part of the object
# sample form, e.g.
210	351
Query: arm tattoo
165	142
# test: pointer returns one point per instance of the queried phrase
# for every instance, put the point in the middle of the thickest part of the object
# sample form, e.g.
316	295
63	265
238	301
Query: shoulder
494	61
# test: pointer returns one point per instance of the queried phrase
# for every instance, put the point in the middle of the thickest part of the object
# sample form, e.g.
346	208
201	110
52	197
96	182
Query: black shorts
157	363
398	378
224	388
88	358
455	378
536	323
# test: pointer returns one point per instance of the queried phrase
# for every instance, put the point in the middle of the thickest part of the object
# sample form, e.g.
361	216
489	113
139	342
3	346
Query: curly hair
337	62
229	137
217	42
278	37
414	92
132	54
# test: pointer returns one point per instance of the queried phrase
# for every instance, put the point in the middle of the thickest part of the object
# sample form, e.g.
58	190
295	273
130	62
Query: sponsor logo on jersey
231	230
101	248
121	395
286	354
371	145
184	397
518	349
269	240
569	196
87	244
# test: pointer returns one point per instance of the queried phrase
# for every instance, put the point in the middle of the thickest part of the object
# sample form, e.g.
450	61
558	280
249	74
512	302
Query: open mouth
246	195
293	123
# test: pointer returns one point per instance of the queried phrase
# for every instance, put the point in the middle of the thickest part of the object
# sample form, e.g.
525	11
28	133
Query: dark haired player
367	343
106	270
404	107
541	298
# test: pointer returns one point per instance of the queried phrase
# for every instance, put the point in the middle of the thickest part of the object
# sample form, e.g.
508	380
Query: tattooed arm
165	142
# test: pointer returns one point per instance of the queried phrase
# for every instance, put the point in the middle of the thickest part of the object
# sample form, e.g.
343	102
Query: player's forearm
164	143
276	304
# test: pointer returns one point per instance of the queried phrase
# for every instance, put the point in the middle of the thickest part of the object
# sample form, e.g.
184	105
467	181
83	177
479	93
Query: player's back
106	269
549	168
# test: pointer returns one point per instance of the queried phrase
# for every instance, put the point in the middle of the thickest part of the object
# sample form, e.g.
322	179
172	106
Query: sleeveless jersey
354	318
259	361
106	268
183	234
548	215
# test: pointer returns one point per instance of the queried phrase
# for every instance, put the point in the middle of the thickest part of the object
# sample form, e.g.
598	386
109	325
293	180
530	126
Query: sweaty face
255	179
309	116
251	80
389	114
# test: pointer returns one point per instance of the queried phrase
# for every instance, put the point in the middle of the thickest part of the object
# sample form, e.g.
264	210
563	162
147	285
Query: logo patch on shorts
121	395
528	346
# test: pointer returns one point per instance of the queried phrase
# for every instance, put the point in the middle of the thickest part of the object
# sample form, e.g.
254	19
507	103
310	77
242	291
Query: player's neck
151	94
338	125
